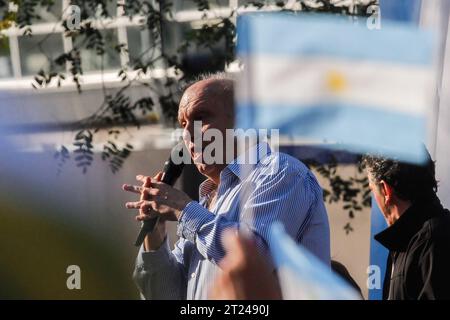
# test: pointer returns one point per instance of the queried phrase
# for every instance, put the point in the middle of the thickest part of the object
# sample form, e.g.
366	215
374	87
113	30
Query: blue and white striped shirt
252	198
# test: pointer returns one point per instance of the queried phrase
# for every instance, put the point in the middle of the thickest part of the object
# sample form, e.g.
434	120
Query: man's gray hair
222	75
227	77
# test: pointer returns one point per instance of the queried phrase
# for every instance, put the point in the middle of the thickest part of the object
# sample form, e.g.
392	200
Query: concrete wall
352	249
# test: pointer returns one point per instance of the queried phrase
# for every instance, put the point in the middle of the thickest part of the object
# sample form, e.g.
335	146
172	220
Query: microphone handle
147	226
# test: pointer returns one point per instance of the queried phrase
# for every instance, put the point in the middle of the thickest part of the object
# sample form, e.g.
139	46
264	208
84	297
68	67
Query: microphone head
173	167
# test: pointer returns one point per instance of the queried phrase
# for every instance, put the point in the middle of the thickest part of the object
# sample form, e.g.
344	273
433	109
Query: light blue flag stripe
346	121
274	34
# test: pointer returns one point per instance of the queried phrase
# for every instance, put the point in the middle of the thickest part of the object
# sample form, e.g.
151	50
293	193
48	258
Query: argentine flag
327	79
303	276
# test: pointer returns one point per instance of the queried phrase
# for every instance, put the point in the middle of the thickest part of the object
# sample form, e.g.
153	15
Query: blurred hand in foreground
246	273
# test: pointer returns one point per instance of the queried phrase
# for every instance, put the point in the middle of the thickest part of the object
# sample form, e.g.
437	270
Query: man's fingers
148	214
150	182
135	205
143	217
145	193
146	206
145	209
147	182
230	240
131	188
158	176
144	179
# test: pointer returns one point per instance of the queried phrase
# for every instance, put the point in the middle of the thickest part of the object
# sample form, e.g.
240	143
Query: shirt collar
206	187
242	165
397	236
239	167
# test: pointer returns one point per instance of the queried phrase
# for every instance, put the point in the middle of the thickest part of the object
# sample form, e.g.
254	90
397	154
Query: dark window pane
197	58
184	5
5	59
174	35
141	46
37	52
91	61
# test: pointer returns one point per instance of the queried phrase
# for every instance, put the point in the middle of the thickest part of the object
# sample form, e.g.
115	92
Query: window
21	56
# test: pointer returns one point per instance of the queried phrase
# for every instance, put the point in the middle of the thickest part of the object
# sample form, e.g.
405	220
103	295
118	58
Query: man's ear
387	192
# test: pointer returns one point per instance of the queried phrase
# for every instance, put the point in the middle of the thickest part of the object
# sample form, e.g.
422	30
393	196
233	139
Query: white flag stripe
311	81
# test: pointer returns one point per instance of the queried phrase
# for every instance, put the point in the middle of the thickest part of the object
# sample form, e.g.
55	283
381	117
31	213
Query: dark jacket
419	252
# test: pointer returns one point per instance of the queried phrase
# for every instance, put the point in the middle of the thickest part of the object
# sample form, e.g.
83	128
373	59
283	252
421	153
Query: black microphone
171	173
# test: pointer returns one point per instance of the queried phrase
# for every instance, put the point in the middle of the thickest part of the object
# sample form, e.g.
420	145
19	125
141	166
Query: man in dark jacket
418	236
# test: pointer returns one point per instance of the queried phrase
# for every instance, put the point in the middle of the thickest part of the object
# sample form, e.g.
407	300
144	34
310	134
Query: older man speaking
230	198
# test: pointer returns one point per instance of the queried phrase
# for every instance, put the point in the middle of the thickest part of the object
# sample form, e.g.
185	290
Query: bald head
213	89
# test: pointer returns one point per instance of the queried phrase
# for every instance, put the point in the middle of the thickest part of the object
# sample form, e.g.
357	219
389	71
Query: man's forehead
202	95
186	110
190	103
195	100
